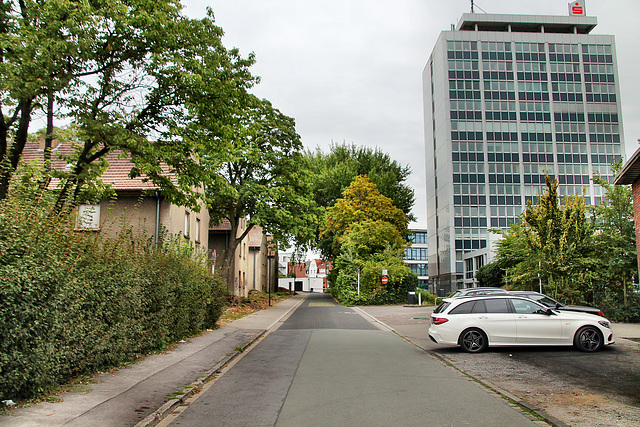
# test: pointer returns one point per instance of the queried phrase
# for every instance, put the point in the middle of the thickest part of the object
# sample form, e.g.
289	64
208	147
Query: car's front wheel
473	341
589	339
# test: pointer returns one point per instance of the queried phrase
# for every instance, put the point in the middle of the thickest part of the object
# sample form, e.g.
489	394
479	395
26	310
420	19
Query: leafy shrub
426	297
615	310
74	303
372	290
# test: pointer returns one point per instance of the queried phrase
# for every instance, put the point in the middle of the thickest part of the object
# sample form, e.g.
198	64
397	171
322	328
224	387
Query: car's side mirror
547	312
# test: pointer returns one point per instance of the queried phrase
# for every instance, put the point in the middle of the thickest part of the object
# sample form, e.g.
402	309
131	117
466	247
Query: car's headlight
605	324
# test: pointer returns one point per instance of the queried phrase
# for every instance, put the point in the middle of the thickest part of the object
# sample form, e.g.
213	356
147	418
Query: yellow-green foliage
362	201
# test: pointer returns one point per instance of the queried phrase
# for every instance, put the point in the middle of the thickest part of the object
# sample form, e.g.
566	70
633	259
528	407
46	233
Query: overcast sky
350	70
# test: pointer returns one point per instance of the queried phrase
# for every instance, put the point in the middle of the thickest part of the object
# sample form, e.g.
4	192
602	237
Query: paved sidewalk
132	396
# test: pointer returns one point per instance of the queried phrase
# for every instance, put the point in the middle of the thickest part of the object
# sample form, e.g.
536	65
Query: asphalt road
329	365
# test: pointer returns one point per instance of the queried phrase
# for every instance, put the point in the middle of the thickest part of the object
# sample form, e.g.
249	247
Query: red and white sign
385	280
577	8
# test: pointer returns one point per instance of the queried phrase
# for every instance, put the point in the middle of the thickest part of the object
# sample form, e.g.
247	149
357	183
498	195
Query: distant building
253	260
508	99
417	257
284	258
319	268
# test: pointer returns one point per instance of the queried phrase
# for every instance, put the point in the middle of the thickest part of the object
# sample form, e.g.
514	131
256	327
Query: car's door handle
483	317
522	317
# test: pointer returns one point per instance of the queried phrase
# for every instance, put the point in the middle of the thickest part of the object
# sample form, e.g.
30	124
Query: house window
186	224
88	217
197	236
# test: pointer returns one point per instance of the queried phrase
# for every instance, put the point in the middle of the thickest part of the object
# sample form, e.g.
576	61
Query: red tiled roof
117	174
225	225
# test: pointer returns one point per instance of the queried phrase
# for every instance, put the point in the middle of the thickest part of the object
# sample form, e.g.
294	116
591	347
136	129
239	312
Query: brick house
138	204
630	175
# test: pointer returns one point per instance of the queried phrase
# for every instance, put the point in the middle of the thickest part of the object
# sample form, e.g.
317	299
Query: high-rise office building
508	99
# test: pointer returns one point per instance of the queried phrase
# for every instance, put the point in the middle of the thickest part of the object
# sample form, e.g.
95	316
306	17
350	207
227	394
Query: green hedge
73	304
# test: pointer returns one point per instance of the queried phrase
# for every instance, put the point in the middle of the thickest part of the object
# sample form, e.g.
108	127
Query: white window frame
187	218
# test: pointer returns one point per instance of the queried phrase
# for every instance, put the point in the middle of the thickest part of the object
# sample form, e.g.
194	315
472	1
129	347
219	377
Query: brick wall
636	212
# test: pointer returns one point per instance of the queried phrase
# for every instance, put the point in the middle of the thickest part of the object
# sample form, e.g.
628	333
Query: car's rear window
463	308
543	299
442	307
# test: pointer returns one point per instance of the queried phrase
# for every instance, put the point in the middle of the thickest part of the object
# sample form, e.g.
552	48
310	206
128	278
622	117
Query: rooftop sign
578	8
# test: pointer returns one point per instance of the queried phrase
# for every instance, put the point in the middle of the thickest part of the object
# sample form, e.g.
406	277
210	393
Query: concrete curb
523	404
162	412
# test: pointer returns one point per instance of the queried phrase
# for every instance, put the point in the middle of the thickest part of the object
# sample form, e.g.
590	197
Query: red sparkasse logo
577	8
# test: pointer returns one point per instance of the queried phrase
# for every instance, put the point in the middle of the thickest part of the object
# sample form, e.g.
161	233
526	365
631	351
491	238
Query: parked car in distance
477	322
550	302
476	291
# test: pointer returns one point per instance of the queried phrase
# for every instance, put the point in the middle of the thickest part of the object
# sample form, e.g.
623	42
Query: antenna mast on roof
475	5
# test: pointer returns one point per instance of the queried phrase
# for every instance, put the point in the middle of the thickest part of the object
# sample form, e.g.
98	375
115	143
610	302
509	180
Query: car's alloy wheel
473	341
588	338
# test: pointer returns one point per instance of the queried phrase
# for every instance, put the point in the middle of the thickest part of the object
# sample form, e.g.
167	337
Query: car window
543	299
523	306
479	307
442	307
498	305
463	308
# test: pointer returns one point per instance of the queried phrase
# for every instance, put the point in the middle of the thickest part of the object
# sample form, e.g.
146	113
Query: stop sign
385	280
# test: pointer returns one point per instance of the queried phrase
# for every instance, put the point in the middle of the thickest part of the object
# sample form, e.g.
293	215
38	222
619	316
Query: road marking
321	304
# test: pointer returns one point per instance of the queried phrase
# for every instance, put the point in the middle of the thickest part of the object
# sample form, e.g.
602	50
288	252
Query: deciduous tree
615	238
124	73
361	201
256	171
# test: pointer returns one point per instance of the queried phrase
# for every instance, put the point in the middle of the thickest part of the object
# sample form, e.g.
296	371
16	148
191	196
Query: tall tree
256	171
123	72
334	171
361	201
615	237
369	235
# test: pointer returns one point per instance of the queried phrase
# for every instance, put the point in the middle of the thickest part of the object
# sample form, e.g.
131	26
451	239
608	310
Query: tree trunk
231	256
12	157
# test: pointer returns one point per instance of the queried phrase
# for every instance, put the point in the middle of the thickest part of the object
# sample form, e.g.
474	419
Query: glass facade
515	110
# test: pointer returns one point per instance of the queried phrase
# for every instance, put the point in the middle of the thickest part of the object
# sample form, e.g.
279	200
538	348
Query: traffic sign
385	280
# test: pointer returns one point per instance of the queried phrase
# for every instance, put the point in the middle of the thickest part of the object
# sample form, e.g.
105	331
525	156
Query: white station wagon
476	322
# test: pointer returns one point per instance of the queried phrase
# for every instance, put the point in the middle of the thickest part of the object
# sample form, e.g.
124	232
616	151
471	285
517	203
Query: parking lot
574	387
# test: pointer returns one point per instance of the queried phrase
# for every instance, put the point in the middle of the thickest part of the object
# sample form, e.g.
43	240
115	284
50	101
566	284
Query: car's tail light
438	320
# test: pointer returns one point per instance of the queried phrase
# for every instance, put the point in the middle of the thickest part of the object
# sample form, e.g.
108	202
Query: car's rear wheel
473	341
589	339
